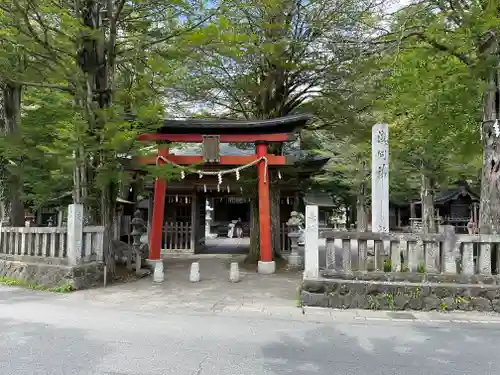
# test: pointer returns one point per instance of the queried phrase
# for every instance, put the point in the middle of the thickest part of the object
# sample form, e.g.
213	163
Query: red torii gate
211	133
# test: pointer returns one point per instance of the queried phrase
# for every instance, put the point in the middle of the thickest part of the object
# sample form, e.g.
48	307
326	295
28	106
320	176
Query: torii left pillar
157	222
266	264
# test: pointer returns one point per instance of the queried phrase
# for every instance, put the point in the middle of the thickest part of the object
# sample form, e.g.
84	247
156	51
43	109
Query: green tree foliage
109	61
266	58
433	105
466	32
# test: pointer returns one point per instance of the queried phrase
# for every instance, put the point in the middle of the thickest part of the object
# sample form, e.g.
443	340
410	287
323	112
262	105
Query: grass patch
64	288
298	302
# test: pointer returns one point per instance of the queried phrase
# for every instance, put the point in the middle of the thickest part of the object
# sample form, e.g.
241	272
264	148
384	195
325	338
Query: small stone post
194	272
294	259
234	272
138	228
75	233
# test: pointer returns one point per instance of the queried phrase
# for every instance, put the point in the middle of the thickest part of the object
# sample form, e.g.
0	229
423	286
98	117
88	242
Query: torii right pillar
266	263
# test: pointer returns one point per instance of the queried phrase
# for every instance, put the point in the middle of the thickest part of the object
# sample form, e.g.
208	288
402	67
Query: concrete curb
318	315
409	316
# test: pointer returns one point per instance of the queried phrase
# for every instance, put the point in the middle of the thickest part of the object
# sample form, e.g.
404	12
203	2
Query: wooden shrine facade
208	172
185	222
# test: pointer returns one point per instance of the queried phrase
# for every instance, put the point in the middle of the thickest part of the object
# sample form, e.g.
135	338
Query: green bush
387	265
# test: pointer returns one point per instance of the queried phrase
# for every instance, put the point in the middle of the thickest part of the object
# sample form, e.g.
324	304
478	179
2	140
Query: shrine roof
285	124
461	189
319	199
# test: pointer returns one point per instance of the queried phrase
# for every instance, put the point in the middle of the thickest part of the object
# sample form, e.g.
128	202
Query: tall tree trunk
254	253
489	211
427	199
107	210
361	219
361	214
96	61
11	183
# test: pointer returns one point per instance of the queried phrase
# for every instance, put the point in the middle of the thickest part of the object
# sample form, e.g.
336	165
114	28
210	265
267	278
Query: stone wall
52	275
403	291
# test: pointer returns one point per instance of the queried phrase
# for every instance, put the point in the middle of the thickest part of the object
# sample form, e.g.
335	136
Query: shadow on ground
33	348
363	350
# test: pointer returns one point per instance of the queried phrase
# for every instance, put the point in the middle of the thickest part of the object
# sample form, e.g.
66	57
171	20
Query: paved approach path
213	293
50	334
265	295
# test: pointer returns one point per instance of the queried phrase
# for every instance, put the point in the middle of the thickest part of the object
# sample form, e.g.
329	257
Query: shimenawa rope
219	173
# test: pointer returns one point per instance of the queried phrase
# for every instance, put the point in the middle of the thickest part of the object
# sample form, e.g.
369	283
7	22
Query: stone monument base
266	268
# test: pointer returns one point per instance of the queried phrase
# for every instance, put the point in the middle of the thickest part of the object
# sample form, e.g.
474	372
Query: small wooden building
325	204
454	206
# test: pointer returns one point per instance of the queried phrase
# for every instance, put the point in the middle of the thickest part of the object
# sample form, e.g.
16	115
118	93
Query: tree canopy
80	81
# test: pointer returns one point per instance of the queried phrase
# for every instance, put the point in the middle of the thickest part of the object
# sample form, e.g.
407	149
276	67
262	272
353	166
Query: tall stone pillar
311	248
75	233
380	178
380	187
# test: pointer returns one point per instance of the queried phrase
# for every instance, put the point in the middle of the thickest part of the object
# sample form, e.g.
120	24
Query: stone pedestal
295	261
158	274
266	268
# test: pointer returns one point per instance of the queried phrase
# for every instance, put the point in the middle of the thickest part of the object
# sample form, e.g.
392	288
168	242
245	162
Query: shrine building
177	208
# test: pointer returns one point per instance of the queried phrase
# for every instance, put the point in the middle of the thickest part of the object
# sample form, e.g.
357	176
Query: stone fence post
294	259
449	249
75	233
311	248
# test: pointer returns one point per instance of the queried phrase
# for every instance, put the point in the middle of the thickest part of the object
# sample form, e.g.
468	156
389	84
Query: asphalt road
43	333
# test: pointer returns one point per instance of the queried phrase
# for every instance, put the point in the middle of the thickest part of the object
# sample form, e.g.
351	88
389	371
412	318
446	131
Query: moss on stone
63	288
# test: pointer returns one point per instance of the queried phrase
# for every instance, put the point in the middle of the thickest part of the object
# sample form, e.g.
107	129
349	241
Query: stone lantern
138	228
294	259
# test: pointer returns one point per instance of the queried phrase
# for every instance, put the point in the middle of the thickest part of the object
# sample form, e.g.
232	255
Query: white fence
73	245
34	241
178	236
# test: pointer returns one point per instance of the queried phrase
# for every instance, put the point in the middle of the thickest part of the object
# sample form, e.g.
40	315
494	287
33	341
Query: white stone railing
446	252
72	245
34	241
93	244
51	242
